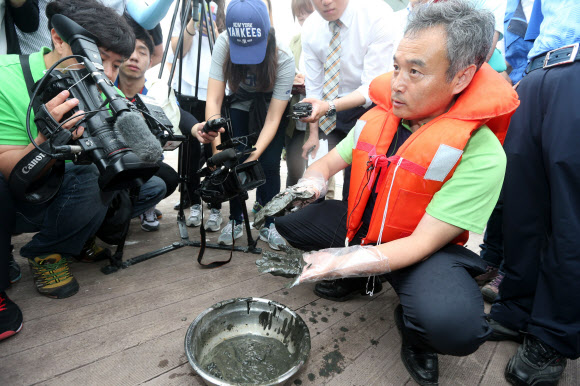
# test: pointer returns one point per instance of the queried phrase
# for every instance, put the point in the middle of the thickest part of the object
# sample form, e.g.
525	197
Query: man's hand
319	109
197	131
331	263
310	147
299	80
59	106
308	189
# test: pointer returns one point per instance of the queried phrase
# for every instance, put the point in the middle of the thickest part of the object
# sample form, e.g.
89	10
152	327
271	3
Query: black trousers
540	293
442	305
8	214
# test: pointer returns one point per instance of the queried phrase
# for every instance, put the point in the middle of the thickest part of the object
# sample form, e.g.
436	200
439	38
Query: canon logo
33	163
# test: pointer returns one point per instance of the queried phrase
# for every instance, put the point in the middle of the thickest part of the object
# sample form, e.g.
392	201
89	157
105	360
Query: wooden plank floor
128	328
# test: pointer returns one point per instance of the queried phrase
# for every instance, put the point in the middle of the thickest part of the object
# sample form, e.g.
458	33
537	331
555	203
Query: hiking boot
489	275
194	219
158	214
341	290
272	237
500	333
214	222
226	236
535	363
149	222
423	366
10	317
491	289
14	273
52	276
91	252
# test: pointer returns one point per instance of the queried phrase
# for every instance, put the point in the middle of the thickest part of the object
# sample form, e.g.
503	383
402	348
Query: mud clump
332	364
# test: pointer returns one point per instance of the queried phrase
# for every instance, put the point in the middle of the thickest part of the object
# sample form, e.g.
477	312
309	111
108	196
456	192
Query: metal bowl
247	316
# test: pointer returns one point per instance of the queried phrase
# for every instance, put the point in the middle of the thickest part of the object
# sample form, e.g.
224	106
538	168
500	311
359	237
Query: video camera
225	176
123	145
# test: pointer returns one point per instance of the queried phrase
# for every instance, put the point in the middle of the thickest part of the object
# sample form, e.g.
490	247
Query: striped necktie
331	74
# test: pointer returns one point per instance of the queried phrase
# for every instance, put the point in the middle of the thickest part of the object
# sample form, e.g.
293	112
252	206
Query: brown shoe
489	275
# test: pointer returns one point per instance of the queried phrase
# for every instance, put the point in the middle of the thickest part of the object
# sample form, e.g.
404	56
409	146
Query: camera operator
131	81
260	74
77	210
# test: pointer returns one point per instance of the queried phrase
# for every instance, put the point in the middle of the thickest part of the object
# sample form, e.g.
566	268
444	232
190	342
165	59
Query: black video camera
226	176
110	121
301	110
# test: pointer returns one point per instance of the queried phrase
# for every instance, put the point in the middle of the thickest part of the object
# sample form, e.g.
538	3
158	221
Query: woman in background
259	73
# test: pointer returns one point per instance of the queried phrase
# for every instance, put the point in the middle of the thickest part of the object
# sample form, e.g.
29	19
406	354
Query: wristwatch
331	109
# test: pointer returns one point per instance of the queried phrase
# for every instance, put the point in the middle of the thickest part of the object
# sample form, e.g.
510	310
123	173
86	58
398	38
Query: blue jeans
150	194
270	161
6	226
64	224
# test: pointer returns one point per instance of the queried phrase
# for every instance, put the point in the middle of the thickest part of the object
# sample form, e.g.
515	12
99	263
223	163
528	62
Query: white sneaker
214	222
272	237
226	236
149	222
194	219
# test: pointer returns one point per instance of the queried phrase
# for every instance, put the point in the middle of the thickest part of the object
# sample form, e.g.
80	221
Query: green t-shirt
468	198
14	98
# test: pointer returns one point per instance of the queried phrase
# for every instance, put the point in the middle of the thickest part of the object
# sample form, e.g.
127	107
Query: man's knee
451	331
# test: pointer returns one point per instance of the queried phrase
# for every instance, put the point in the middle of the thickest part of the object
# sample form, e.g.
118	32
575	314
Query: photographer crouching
65	222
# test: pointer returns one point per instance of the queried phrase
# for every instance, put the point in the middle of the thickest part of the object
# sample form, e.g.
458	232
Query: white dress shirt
367	41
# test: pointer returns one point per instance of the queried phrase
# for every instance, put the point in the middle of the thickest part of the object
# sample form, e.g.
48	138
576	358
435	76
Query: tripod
185	168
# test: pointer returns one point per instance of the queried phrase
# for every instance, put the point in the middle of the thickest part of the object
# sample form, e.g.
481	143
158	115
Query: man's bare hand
310	147
319	109
59	106
299	80
197	131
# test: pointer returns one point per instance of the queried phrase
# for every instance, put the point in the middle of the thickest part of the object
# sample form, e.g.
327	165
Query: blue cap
248	25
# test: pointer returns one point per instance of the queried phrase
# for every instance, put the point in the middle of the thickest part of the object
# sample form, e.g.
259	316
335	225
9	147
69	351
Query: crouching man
71	218
427	167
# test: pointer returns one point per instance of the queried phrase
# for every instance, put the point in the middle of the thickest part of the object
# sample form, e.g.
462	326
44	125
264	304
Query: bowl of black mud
247	341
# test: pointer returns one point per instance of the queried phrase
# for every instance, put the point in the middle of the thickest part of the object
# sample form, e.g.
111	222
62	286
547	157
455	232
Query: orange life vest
409	179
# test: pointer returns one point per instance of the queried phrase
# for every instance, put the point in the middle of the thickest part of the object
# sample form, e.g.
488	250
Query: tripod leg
251	242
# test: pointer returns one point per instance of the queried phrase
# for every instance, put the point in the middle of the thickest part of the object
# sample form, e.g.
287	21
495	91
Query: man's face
419	88
111	63
138	63
330	10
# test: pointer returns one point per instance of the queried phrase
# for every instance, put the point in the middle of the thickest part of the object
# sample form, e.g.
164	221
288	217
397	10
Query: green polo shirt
14	98
468	198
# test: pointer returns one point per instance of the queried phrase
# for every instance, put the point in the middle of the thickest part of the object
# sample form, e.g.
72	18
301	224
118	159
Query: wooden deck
128	328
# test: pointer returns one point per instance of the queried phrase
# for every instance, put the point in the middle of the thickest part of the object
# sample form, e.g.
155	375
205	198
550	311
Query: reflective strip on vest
358	127
444	160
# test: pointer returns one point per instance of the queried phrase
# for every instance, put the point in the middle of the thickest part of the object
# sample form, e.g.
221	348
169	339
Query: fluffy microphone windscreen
137	135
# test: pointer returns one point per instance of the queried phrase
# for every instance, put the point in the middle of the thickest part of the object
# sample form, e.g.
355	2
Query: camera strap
29	181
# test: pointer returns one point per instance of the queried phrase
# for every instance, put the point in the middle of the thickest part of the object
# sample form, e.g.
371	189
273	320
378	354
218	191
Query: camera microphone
137	135
222	157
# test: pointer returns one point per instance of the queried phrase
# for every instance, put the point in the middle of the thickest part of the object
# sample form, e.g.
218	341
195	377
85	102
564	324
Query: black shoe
501	333
423	366
14	273
92	253
344	289
535	363
10	317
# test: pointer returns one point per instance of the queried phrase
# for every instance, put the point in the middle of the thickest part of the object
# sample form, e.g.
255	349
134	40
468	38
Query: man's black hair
140	33
111	30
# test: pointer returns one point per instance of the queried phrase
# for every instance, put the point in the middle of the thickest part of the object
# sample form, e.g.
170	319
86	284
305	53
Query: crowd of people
447	117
